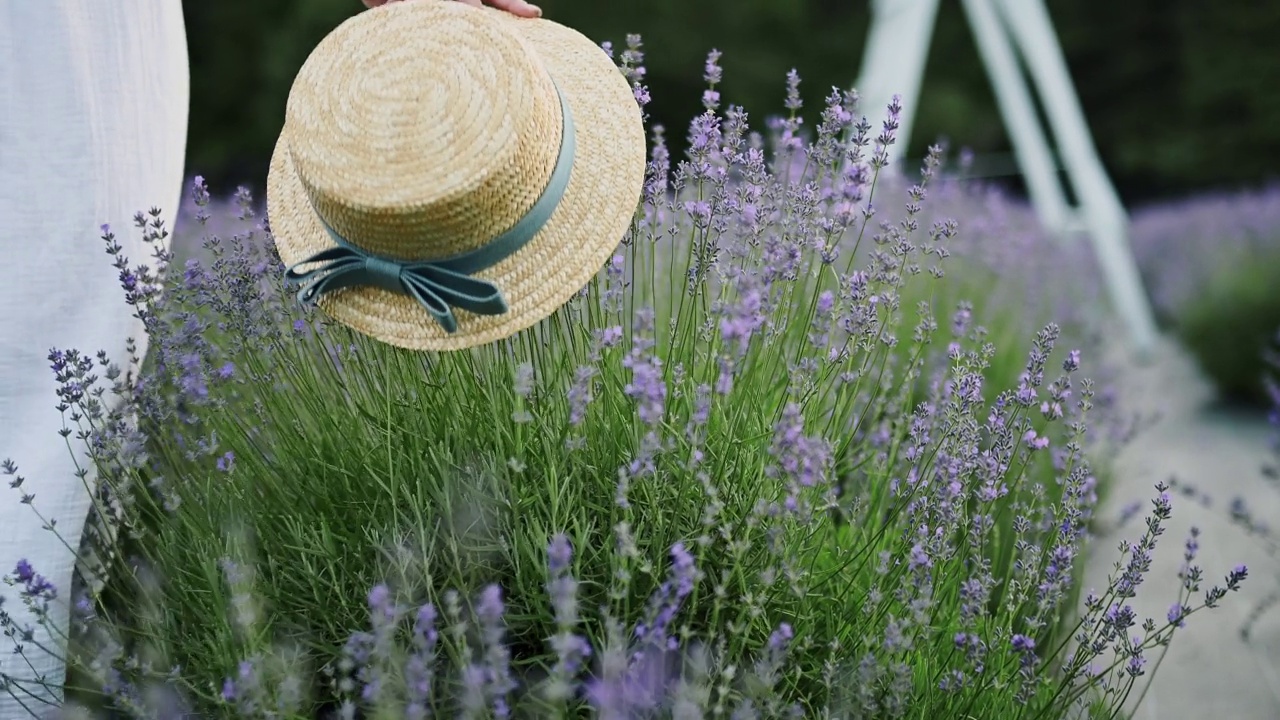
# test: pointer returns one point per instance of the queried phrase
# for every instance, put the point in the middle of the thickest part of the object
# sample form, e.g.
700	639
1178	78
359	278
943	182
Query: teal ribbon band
439	285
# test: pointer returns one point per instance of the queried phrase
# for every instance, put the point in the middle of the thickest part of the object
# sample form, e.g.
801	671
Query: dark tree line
1181	94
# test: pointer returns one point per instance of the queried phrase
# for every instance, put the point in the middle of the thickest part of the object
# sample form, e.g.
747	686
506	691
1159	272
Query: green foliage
321	463
992	299
758	427
1230	325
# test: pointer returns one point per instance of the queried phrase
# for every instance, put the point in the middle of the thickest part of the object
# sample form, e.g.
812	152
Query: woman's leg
93	123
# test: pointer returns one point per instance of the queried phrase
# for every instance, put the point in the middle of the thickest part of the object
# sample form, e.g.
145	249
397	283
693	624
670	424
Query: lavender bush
1212	264
755	469
1241	510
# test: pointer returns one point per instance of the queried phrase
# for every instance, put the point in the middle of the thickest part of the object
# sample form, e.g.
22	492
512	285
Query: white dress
93	125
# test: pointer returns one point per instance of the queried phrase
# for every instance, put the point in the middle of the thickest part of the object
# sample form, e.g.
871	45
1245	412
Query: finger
521	8
374	3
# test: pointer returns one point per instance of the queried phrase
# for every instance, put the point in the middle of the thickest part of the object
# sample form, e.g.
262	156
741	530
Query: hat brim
581	235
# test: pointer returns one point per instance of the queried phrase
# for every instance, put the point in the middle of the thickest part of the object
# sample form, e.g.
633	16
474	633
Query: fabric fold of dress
94	99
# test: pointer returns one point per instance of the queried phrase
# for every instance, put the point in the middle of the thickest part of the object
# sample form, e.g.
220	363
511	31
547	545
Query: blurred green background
1181	94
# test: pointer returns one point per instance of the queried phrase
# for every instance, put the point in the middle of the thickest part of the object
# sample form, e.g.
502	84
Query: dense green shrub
1231	325
1212	266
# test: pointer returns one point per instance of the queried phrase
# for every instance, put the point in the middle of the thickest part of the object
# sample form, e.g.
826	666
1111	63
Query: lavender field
819	441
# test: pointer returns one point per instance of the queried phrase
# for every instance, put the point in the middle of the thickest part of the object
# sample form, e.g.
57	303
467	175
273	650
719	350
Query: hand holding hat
515	7
449	176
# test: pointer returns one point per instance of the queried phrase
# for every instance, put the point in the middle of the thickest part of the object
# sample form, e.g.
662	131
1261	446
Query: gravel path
1210	671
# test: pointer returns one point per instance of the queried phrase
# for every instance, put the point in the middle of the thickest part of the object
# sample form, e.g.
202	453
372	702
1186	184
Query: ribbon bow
439	285
436	287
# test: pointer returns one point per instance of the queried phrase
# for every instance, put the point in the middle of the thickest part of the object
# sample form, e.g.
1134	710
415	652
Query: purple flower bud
1134	668
712	72
227	462
1237	576
919	558
23	571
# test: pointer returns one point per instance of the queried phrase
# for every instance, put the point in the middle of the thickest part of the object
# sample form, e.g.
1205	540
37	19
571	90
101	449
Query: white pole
1102	214
1030	145
893	62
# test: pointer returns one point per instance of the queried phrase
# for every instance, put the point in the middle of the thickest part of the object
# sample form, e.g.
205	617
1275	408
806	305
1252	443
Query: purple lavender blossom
419	669
227	461
665	603
788	383
497	669
647	386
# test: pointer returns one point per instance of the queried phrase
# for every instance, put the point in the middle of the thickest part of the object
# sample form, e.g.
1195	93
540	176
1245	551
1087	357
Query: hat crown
422	130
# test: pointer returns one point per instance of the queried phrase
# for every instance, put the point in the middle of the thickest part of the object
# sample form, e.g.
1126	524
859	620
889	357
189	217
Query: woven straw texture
419	130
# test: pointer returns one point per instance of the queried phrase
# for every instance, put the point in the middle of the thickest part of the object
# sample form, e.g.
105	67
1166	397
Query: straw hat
448	176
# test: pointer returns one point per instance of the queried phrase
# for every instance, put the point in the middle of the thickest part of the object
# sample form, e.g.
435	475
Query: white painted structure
93	128
893	63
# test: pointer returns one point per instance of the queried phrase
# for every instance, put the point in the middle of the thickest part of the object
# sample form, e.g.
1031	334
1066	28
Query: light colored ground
1210	672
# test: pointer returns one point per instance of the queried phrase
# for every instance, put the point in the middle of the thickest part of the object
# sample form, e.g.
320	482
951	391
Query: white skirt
93	126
